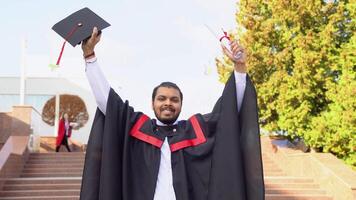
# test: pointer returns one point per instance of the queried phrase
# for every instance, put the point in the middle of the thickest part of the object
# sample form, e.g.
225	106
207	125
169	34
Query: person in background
64	132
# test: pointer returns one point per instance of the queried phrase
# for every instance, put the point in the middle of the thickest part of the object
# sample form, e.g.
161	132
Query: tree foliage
73	105
301	57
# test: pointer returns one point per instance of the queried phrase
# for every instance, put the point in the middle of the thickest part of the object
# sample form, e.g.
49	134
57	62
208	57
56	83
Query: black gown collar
180	135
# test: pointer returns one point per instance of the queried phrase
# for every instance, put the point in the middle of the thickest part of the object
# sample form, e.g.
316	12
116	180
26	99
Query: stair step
62	174
55	165
267	173
295	191
52	170
53	155
273	165
28	193
297	197
287	179
42	198
270	162
57	176
39	187
58	160
291	185
75	161
273	170
58	154
264	158
52	180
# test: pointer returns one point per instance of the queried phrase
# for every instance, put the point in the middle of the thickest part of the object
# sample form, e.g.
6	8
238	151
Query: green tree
301	59
335	129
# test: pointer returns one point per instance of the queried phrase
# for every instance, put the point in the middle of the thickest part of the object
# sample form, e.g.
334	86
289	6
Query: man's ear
152	105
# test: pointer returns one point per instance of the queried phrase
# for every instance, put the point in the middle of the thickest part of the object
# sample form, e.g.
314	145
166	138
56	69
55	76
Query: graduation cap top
78	26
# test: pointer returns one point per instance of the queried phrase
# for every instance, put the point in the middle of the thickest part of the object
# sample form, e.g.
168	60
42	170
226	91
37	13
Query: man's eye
175	100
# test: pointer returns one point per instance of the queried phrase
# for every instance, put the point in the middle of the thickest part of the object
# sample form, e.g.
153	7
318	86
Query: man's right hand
89	44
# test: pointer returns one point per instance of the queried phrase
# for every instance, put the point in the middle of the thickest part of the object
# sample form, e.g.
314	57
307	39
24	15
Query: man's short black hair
167	85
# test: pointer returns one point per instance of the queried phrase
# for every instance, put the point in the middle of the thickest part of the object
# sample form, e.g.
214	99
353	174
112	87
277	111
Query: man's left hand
237	55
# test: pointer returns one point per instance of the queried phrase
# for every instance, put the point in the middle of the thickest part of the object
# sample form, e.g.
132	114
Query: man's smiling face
167	104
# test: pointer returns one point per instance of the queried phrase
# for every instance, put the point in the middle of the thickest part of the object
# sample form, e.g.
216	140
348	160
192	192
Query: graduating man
216	156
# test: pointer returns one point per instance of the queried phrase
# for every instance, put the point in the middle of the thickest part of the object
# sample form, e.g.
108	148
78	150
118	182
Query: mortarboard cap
78	26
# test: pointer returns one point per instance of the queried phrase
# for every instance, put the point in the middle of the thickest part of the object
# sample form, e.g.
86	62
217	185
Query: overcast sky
148	42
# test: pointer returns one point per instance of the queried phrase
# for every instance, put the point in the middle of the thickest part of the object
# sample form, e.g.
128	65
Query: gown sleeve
237	171
108	144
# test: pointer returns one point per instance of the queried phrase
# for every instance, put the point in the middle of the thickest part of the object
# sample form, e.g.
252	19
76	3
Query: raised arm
240	69
240	80
96	78
98	83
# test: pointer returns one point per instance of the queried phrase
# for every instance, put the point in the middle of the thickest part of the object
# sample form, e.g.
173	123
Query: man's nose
167	102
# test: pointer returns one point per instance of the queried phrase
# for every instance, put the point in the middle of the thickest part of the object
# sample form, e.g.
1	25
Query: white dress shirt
101	88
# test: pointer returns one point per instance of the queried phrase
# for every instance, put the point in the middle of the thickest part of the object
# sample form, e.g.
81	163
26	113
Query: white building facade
38	91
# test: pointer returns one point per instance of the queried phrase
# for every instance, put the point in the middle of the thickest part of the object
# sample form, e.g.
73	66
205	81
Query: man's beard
167	121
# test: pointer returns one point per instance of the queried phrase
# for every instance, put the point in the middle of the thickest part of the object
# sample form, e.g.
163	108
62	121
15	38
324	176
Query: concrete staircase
57	176
280	186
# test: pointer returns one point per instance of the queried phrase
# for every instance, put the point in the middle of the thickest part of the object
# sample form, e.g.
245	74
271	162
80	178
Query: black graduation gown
214	157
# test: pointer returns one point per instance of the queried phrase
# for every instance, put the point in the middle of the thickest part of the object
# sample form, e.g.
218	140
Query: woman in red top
64	132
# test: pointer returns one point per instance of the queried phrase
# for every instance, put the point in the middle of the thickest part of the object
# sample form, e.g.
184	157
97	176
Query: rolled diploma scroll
226	42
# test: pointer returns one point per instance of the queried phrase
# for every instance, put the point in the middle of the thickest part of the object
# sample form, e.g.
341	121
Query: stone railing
5	127
338	179
13	157
15	131
36	126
